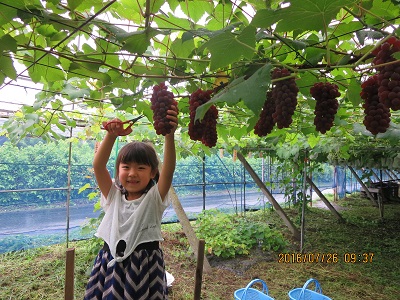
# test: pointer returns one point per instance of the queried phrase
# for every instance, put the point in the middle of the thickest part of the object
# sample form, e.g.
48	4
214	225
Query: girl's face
134	178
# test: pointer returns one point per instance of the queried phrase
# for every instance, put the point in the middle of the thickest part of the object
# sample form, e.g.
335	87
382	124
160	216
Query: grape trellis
105	59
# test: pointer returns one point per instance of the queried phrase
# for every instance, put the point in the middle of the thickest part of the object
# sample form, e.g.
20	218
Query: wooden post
271	199
187	228
376	175
364	186
388	174
326	201
199	270
69	274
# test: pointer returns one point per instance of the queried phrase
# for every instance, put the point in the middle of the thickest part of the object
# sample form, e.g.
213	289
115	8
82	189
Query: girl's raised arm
100	160
168	166
103	178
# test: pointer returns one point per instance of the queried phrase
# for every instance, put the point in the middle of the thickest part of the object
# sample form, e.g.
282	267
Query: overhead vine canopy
100	59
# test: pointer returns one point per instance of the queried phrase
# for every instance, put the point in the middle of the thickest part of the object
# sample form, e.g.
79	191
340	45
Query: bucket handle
264	287
318	288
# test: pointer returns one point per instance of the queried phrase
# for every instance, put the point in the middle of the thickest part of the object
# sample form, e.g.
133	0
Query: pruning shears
130	122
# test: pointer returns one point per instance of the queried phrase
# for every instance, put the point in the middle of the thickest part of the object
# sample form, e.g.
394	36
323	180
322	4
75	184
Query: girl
130	265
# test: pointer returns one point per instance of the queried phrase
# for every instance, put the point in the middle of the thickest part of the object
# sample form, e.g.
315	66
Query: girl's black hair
140	153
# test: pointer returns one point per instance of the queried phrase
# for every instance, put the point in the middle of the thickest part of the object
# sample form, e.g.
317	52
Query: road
52	220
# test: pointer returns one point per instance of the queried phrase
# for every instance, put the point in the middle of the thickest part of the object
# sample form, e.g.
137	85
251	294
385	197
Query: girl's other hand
172	115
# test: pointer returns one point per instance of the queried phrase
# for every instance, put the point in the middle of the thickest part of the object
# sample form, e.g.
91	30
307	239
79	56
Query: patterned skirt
141	276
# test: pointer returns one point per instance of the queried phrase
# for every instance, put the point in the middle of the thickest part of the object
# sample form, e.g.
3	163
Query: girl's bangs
136	153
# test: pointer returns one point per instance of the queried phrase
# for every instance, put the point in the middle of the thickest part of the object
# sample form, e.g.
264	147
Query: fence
34	211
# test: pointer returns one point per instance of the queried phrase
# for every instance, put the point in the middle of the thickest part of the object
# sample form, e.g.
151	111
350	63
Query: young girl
130	265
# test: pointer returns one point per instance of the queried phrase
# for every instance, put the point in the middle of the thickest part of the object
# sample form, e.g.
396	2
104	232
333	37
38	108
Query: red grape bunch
377	115
209	121
206	129
266	123
389	74
325	94
284	93
161	101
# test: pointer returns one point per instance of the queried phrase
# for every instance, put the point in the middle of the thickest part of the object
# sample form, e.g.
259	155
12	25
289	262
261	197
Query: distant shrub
228	235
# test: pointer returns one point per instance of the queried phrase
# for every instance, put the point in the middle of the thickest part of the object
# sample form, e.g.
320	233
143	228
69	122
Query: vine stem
377	66
122	70
147	15
381	41
375	16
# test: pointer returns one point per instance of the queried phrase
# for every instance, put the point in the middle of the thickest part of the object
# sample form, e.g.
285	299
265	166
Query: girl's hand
116	127
173	119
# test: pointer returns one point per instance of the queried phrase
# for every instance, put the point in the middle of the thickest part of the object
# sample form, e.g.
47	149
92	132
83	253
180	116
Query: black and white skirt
141	276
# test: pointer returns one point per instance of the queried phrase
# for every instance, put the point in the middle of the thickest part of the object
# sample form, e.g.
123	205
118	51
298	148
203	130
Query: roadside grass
39	273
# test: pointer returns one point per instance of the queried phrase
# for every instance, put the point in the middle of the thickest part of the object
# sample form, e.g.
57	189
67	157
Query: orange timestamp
328	258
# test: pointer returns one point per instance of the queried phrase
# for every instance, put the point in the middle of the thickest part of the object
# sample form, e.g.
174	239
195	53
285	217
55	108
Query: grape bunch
266	123
284	93
198	98
161	102
377	115
325	94
388	74
206	129
209	122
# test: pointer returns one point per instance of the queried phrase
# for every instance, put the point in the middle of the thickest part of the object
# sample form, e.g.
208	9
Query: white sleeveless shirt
134	221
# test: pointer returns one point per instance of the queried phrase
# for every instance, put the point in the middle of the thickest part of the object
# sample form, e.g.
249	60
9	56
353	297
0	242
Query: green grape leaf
239	46
239	89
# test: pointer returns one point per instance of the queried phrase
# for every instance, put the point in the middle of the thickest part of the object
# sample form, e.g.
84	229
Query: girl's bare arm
168	166
102	156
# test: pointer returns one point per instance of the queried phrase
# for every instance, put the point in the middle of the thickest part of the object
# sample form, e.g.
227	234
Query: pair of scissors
130	122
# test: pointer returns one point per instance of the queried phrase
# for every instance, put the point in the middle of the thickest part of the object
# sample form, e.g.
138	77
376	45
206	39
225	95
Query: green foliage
33	164
228	235
111	70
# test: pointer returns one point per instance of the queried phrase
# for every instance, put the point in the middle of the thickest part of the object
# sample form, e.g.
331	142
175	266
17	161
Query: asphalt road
52	220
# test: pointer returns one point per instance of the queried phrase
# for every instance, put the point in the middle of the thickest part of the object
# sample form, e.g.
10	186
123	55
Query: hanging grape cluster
325	94
380	93
161	102
388	74
266	123
206	129
377	115
284	93
210	136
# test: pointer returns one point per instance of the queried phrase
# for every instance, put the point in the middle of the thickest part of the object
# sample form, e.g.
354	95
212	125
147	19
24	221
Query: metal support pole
204	180
69	183
303	208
